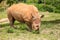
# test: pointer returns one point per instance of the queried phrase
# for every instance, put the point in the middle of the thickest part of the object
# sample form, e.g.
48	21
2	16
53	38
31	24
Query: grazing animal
26	14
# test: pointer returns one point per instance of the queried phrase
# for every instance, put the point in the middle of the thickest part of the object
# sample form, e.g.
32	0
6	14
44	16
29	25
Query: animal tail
4	20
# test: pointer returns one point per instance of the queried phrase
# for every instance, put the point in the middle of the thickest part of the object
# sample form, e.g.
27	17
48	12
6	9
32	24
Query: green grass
3	14
49	30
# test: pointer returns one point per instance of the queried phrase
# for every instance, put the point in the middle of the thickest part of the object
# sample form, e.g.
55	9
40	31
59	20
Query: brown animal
24	13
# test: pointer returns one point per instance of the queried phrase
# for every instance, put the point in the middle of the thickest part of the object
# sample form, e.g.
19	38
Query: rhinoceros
26	14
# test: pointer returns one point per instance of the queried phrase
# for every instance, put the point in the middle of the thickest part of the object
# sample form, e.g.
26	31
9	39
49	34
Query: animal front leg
29	26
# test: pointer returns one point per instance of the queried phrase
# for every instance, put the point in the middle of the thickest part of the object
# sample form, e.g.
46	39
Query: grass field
49	30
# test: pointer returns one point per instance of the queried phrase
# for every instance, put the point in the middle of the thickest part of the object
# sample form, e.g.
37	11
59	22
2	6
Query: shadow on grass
7	24
45	23
19	26
51	22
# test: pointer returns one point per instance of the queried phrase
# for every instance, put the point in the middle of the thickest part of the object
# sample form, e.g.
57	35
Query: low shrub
43	7
10	30
57	11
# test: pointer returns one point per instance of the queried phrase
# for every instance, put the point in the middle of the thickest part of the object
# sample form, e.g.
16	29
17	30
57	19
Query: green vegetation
49	30
10	30
50	25
42	5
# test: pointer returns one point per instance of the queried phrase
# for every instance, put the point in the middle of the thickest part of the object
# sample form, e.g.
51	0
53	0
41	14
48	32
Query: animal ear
41	16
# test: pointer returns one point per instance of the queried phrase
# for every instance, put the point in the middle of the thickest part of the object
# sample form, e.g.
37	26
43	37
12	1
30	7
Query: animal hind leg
11	20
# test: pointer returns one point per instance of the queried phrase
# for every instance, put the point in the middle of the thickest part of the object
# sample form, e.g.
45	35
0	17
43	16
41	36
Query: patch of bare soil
4	20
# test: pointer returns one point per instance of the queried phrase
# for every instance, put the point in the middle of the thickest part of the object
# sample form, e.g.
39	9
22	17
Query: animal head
36	21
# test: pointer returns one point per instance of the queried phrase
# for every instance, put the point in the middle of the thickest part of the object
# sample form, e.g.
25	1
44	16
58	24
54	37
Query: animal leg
29	26
12	23
11	20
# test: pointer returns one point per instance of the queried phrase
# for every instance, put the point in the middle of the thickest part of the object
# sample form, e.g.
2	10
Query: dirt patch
4	20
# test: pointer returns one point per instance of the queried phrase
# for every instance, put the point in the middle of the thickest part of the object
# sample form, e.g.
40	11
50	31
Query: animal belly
18	17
